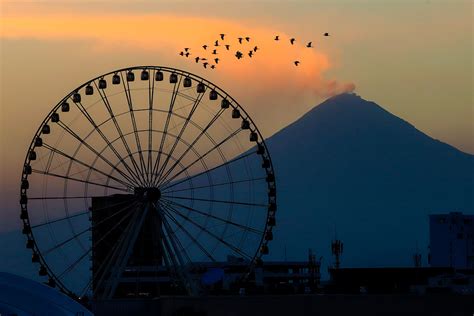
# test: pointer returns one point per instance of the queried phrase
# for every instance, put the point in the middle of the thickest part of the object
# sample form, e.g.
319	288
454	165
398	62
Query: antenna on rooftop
336	248
311	266
417	257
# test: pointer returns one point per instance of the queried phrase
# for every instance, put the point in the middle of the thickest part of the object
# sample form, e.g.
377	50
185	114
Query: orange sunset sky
413	57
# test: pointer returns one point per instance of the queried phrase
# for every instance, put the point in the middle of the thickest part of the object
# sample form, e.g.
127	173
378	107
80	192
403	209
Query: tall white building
452	240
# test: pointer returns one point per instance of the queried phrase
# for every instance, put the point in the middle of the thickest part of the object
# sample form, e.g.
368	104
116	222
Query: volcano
350	168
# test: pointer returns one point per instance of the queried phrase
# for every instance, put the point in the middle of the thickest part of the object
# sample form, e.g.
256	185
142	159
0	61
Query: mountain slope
352	166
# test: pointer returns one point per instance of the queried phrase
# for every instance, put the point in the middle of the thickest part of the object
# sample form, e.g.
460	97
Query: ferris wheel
141	175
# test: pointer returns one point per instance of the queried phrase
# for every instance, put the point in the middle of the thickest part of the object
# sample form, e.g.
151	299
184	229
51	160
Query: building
129	261
396	280
136	268
268	277
452	240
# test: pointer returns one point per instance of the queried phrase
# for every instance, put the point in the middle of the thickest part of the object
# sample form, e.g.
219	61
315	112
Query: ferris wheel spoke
123	258
128	96
177	264
187	279
175	239
176	267
214	201
60	219
45	253
159	211
75	215
203	228
106	140
73	265
76	262
183	128
203	131
166	182
213	185
98	273
106	102
168	118
190	236
243	227
131	178
191	100
151	95
177	250
65	197
57	246
115	253
57	151
79	180
165	186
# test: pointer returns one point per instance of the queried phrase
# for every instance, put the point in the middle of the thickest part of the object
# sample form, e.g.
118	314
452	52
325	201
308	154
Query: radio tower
337	247
311	267
417	257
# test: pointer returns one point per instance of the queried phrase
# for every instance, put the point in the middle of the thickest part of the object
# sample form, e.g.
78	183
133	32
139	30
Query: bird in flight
205	64
326	34
187	54
238	54
292	41
296	62
204	46
186	49
227	46
214	52
309	45
247	39
216	43
255	49
181	53
216	60
240	40
196	59
251	53
222	36
277	38
213	66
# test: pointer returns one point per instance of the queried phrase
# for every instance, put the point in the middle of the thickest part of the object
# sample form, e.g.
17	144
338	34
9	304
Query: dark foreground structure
351	291
418	280
293	305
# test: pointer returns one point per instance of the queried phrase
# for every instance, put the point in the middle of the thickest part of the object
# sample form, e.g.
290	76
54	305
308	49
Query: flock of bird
222	44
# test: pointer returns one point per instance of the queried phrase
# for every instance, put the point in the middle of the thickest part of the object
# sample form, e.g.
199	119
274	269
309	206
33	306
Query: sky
414	58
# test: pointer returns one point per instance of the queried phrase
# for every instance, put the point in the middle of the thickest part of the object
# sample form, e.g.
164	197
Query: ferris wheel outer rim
221	92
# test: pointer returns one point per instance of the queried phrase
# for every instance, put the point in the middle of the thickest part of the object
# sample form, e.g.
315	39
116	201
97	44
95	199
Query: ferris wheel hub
150	194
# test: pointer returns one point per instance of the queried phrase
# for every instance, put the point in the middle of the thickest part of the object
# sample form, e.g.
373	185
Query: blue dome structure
24	297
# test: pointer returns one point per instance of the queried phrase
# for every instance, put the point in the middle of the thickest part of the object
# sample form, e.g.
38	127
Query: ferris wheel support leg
126	251
175	255
107	264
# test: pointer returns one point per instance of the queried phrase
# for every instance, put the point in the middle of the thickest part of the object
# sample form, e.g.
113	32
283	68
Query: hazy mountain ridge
349	163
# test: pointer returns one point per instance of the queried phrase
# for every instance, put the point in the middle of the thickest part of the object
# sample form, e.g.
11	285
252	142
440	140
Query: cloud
271	67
